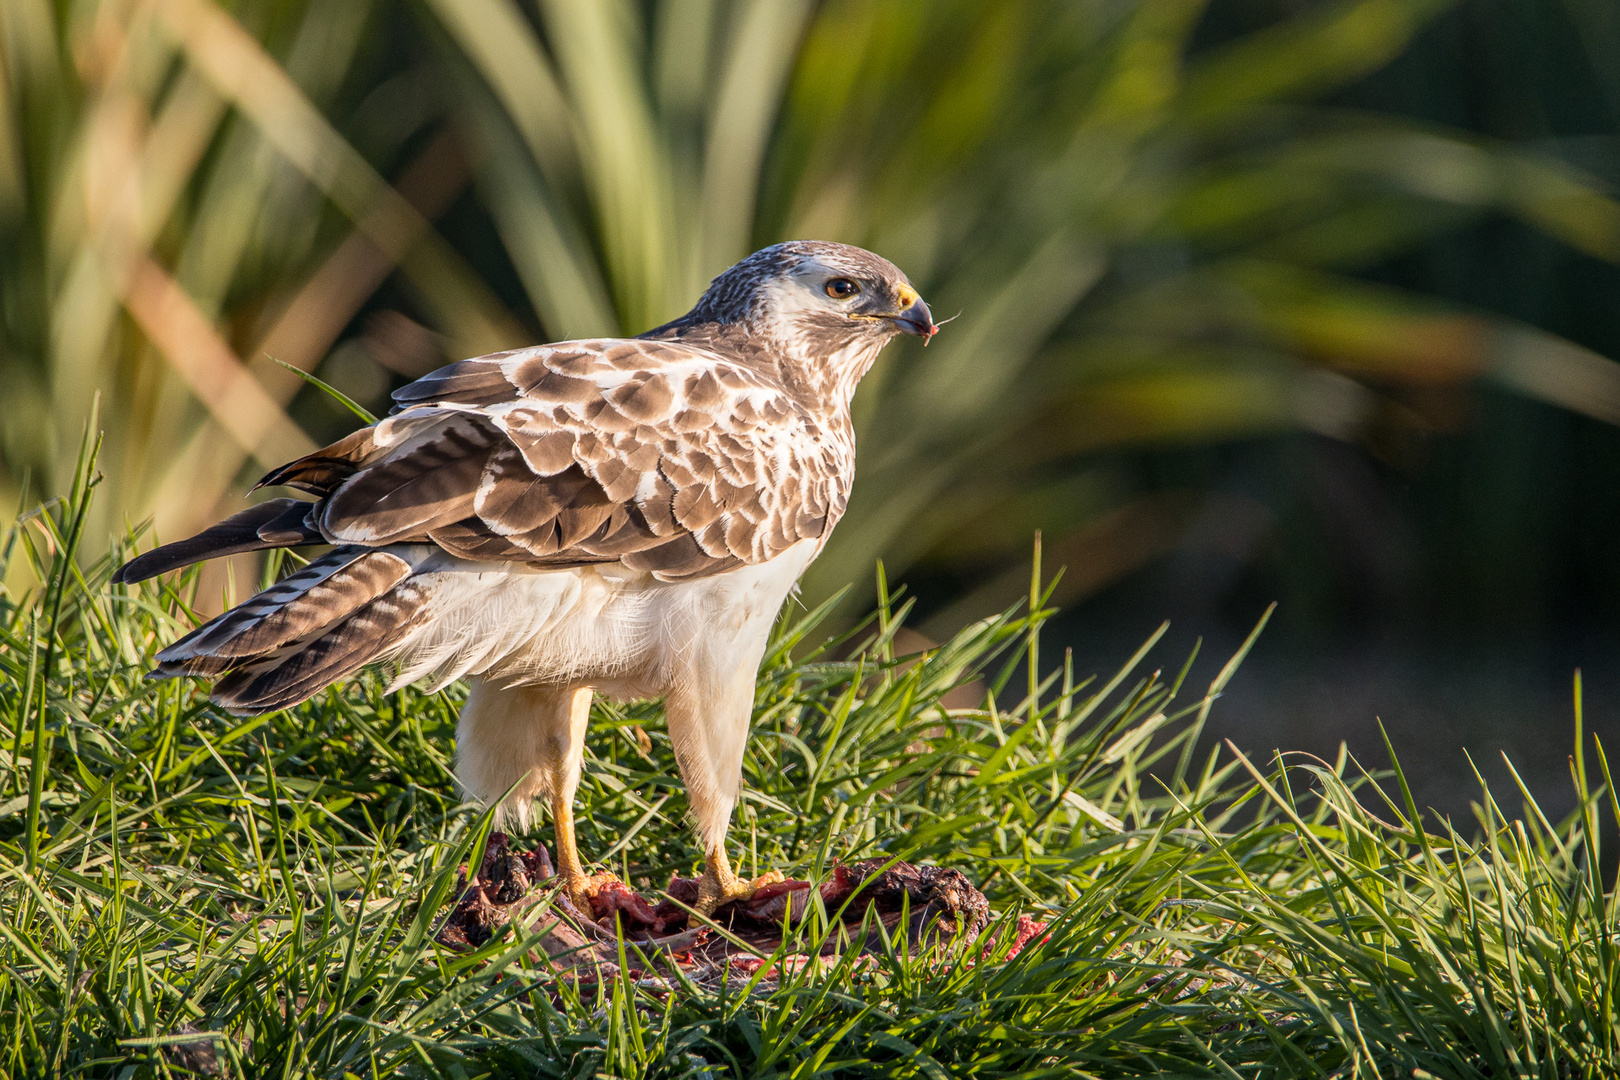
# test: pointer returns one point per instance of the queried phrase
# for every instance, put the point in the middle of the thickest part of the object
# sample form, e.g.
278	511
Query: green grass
170	874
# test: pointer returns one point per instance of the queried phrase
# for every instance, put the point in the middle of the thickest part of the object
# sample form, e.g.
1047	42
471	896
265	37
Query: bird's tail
276	523
344	610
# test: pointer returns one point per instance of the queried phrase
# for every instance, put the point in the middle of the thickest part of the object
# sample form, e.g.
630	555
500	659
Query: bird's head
825	308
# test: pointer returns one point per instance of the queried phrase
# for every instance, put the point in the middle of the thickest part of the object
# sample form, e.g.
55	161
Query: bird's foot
716	889
582	888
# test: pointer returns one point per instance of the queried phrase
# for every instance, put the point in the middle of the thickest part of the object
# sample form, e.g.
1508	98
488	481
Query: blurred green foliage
1155	219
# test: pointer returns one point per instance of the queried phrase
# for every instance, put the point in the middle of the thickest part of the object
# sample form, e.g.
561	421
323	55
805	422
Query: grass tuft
186	890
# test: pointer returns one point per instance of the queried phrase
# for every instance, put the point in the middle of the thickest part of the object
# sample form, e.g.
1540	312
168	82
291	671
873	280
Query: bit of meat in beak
916	319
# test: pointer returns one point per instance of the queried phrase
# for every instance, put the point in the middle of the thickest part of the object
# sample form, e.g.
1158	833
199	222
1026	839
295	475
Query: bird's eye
842	288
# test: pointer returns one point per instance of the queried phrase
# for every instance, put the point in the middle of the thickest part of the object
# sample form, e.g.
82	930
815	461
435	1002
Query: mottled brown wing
659	456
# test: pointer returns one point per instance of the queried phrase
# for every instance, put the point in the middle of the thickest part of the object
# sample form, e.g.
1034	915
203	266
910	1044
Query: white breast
625	633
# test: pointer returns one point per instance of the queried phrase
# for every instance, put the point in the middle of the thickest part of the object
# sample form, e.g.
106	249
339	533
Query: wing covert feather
664	457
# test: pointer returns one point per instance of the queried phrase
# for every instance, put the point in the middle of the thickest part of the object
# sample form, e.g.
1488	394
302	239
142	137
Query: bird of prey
622	516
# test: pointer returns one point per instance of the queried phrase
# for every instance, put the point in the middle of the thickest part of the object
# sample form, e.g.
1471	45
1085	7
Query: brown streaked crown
739	294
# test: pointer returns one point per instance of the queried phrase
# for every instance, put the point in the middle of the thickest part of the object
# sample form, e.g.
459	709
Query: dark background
1451	586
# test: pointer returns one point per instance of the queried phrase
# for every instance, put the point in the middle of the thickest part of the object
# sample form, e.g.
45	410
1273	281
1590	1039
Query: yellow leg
568	864
564	780
721	886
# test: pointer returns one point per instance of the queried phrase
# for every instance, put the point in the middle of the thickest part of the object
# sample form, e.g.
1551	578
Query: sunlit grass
178	886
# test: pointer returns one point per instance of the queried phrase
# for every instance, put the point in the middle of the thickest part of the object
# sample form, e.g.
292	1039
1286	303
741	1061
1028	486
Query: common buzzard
613	516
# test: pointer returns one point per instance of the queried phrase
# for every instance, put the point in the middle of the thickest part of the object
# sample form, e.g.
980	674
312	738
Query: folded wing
659	457
646	453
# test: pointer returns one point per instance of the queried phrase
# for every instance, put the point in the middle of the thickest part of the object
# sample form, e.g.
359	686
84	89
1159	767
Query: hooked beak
915	318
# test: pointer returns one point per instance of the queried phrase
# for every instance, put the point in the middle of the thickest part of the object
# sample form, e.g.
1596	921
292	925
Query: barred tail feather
342	611
295	672
296	608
